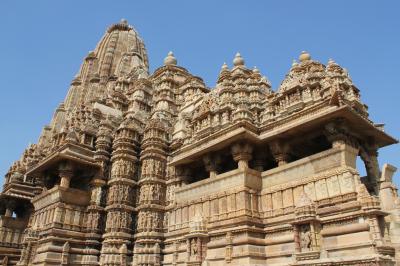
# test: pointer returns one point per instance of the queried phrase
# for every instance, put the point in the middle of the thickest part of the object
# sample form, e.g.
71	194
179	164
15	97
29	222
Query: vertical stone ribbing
122	185
150	226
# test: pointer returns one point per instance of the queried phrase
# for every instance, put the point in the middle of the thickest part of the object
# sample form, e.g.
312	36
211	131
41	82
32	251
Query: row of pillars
242	153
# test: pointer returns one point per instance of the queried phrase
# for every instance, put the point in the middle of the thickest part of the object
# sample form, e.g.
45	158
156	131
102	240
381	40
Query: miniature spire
238	60
224	67
170	59
124	21
255	70
304	56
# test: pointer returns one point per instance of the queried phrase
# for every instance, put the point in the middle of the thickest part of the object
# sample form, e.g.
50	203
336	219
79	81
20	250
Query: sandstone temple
140	169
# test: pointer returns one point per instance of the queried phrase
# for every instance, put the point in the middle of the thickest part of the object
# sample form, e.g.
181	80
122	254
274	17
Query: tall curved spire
119	52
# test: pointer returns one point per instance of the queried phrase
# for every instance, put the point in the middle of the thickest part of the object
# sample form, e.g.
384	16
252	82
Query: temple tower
156	169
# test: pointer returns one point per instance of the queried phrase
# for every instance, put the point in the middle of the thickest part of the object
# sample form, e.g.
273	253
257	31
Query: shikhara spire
157	169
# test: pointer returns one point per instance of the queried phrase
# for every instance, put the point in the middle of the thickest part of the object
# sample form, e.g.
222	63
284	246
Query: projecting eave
68	152
214	142
292	127
366	129
311	120
20	190
16	194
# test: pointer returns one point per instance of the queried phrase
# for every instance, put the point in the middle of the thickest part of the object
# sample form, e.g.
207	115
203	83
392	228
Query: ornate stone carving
120	172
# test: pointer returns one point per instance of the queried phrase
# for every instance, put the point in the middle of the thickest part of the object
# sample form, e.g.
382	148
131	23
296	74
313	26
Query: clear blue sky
43	44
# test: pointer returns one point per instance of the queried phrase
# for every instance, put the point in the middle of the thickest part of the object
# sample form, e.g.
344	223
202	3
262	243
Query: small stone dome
255	70
170	59
304	56
238	60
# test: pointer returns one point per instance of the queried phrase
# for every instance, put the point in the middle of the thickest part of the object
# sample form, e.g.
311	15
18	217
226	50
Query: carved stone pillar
96	194
338	134
66	173
242	154
280	152
183	174
9	212
211	163
259	160
10	207
369	155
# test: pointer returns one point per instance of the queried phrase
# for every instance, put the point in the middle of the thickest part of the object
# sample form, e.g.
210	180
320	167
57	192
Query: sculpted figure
126	193
148	220
156	220
145	191
95	221
140	221
194	247
120	191
111	195
153	192
109	225
124	220
305	238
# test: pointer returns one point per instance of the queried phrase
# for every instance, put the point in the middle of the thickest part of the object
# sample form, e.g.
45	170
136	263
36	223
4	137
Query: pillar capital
211	163
182	173
339	135
98	182
280	151
242	154
259	159
66	173
10	207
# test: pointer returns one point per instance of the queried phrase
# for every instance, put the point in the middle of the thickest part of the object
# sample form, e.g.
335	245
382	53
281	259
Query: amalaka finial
124	21
170	59
224	67
331	61
238	60
255	70
304	56
294	63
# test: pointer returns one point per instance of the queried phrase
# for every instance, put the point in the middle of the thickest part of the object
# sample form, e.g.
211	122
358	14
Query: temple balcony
291	127
73	152
263	181
53	209
12	231
14	216
328	177
237	178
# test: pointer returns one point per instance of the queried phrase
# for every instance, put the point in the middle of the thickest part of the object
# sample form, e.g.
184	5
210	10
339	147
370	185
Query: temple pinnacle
170	59
304	56
238	60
